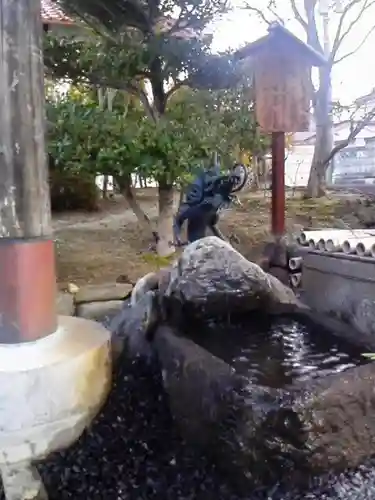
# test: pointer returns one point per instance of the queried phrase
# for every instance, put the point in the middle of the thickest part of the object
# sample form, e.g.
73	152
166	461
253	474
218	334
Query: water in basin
277	352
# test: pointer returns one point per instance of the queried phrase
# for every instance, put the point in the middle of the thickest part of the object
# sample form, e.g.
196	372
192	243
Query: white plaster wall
297	166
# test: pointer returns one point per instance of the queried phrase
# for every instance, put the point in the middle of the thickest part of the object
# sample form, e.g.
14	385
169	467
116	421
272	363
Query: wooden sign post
27	262
278	184
283	90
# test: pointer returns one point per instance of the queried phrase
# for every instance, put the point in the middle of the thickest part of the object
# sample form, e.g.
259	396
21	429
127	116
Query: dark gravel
133	452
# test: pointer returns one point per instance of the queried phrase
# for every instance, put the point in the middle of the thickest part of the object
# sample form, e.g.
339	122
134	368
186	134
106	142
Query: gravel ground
133	452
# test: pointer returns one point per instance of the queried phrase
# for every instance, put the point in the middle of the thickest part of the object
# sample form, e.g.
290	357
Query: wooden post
278	183
28	283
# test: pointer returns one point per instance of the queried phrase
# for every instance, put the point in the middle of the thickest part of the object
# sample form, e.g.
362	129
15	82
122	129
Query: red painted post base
278	183
27	290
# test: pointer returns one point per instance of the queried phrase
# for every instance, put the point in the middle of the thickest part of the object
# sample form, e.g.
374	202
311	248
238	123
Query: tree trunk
315	186
105	187
316	183
180	198
165	245
323	138
125	186
255	183
164	235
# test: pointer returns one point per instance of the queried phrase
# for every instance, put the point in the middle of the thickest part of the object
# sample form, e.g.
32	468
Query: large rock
132	328
363	319
206	400
262	434
281	274
152	281
212	278
336	418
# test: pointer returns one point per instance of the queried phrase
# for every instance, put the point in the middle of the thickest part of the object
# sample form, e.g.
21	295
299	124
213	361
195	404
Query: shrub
70	191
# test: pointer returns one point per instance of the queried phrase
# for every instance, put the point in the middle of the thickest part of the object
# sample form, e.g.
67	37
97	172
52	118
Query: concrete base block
50	390
23	482
65	304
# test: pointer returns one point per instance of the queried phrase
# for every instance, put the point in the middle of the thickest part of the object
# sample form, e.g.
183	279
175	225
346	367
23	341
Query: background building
354	164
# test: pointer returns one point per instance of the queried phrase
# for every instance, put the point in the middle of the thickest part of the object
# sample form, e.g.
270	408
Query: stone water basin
271	400
277	352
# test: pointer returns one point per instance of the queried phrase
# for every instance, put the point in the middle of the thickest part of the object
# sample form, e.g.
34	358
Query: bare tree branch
272	8
259	13
340	34
312	30
337	40
298	15
355	130
359	46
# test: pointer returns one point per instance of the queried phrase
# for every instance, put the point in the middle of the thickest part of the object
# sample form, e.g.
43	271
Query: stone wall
341	288
93	301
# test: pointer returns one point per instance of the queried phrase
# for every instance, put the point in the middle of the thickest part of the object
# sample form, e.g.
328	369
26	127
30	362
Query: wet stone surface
133	452
278	352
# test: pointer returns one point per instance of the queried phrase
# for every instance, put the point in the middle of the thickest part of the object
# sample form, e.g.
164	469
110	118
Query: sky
351	78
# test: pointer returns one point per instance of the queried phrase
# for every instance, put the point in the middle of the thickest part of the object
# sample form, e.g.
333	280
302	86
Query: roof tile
52	13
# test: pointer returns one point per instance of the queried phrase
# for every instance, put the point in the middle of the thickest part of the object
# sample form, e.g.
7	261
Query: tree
89	140
228	119
306	16
119	141
150	49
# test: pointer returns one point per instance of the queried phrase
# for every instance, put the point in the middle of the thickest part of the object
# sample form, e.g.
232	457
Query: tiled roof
51	14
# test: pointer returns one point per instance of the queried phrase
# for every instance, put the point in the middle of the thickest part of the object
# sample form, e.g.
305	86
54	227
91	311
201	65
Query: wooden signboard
282	91
281	65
